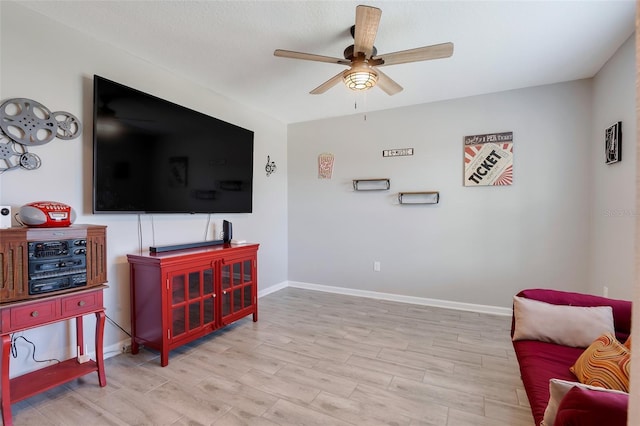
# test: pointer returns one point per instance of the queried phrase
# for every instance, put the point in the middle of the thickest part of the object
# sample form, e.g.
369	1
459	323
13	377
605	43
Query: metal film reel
10	153
30	161
69	127
27	122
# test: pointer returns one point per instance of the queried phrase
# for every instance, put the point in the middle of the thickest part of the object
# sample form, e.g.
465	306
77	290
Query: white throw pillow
567	325
557	390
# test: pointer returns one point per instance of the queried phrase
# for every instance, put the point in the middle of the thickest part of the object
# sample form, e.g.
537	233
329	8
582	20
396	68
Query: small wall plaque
613	143
325	165
398	152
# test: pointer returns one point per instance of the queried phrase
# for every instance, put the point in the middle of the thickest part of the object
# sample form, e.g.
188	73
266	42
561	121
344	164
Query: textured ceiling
228	46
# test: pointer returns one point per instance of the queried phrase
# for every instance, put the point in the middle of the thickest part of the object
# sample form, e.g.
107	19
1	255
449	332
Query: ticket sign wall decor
488	159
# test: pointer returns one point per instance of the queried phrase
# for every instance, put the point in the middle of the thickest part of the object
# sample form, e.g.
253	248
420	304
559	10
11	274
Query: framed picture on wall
613	143
488	159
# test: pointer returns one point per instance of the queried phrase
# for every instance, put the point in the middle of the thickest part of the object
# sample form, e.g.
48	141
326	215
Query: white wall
54	65
566	223
479	245
612	187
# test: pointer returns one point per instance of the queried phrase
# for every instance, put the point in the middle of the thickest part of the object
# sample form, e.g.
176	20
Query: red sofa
540	361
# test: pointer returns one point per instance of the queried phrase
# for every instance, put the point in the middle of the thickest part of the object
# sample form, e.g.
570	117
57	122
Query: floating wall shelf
371	184
430	197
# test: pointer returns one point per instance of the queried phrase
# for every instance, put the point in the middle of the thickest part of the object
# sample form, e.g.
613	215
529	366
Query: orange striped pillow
627	344
606	363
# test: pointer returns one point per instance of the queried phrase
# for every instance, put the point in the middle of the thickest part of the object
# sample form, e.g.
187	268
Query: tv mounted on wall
154	156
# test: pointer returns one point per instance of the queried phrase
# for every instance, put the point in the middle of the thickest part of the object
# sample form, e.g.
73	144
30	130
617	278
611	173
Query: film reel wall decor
25	123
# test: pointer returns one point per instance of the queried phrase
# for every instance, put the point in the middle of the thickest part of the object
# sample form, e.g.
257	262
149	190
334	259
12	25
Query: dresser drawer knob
34	314
81	303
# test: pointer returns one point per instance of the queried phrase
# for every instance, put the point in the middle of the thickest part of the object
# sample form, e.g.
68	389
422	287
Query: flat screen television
154	156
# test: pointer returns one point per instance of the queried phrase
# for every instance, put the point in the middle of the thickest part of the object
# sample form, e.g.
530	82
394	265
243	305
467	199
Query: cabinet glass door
208	296
178	319
192	300
237	287
195	300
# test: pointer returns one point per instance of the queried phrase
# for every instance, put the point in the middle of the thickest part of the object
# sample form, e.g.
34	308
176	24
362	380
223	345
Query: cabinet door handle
213	295
34	314
81	303
224	292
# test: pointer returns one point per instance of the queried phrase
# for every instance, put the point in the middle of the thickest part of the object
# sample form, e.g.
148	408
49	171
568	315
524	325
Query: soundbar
161	249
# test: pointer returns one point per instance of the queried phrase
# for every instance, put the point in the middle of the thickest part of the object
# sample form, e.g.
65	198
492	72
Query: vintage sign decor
325	165
488	159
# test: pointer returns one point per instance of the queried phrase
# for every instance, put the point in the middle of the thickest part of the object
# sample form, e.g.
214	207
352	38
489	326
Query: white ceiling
228	46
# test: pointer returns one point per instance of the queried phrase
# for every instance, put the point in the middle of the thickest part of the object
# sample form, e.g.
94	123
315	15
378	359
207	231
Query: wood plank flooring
313	358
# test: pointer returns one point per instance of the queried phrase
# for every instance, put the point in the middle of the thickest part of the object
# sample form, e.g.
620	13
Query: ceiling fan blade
327	84
437	51
389	86
367	20
310	57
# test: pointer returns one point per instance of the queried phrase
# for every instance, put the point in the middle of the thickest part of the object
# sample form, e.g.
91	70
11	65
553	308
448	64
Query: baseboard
116	348
460	306
272	289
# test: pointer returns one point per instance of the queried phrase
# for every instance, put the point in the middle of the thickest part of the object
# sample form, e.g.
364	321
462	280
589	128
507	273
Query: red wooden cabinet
182	295
28	314
20	310
14	257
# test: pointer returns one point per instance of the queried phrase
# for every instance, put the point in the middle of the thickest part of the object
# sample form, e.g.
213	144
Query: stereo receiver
57	265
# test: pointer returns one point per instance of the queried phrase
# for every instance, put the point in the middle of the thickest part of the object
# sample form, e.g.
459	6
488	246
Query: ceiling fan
363	60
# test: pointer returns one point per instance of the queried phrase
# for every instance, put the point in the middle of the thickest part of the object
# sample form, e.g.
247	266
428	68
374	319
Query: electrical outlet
376	266
605	291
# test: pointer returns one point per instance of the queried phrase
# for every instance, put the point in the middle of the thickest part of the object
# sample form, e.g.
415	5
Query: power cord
118	325
139	234
115	324
153	230
14	349
14	339
206	228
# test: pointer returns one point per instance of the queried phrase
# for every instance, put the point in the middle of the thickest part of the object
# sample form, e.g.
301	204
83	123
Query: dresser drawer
34	313
81	303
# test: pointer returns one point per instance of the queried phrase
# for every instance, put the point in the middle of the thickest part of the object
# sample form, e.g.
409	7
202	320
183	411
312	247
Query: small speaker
5	217
227	231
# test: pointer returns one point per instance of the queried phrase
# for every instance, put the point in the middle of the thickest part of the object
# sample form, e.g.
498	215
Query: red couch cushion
539	362
584	407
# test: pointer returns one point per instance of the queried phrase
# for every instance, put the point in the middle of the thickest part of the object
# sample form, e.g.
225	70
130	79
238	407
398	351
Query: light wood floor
313	358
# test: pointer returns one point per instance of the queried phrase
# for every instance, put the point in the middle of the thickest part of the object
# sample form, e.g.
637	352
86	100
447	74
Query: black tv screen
154	156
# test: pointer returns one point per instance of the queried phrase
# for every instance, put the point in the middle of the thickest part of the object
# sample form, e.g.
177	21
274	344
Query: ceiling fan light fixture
360	77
